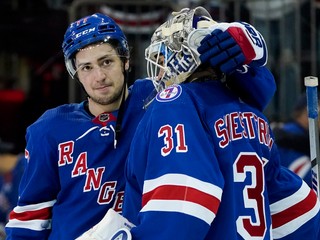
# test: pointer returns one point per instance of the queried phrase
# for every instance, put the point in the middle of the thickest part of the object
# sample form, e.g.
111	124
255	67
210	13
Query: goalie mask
172	55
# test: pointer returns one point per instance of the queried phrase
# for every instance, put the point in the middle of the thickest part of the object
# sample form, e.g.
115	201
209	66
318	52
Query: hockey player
76	153
203	164
292	139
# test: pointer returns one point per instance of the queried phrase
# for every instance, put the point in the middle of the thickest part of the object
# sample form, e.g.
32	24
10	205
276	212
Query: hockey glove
112	227
231	45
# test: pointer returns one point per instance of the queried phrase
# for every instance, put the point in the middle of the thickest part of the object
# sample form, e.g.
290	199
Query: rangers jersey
204	165
73	177
75	171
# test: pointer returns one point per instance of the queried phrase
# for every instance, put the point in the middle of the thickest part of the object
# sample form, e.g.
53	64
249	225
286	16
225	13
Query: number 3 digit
248	227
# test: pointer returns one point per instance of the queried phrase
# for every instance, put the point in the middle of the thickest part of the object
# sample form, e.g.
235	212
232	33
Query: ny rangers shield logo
169	94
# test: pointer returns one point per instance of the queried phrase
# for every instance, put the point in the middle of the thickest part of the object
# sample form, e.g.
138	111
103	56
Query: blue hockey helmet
89	30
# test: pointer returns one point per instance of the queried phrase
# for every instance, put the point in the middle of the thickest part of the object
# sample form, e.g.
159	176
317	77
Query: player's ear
126	65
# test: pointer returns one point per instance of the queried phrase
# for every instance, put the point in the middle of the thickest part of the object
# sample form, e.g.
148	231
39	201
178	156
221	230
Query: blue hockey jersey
203	165
73	177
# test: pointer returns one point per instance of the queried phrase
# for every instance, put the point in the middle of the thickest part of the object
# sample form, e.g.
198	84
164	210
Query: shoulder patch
169	94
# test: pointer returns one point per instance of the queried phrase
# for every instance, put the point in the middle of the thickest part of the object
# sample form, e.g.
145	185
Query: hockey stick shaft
311	84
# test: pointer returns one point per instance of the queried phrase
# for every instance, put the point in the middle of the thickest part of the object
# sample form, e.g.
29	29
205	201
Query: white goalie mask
172	55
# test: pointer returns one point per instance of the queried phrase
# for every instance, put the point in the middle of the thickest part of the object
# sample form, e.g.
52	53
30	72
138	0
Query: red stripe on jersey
42	214
295	211
298	168
173	192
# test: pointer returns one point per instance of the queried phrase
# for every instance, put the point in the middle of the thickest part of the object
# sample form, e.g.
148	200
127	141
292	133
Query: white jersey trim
182	180
291	200
184	207
33	207
36	225
293	225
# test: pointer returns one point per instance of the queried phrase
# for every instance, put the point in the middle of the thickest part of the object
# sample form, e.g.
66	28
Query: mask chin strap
121	108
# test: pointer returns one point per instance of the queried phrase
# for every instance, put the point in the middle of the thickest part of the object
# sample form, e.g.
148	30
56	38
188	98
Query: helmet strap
122	105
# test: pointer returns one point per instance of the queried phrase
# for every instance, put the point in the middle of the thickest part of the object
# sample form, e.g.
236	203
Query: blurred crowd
11	169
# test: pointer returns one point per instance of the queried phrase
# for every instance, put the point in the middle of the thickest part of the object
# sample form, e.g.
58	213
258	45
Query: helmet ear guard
177	41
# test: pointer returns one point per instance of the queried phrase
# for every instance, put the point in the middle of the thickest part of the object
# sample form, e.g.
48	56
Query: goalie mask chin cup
172	55
91	30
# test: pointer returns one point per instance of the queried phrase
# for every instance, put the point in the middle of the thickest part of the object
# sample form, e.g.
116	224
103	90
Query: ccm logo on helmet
85	32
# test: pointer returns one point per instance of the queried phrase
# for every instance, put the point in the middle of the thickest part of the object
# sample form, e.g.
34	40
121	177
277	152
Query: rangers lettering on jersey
237	125
93	180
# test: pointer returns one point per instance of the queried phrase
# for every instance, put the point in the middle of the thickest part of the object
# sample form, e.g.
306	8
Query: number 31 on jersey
173	138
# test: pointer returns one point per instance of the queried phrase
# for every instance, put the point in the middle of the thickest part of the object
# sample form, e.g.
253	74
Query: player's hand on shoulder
231	45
